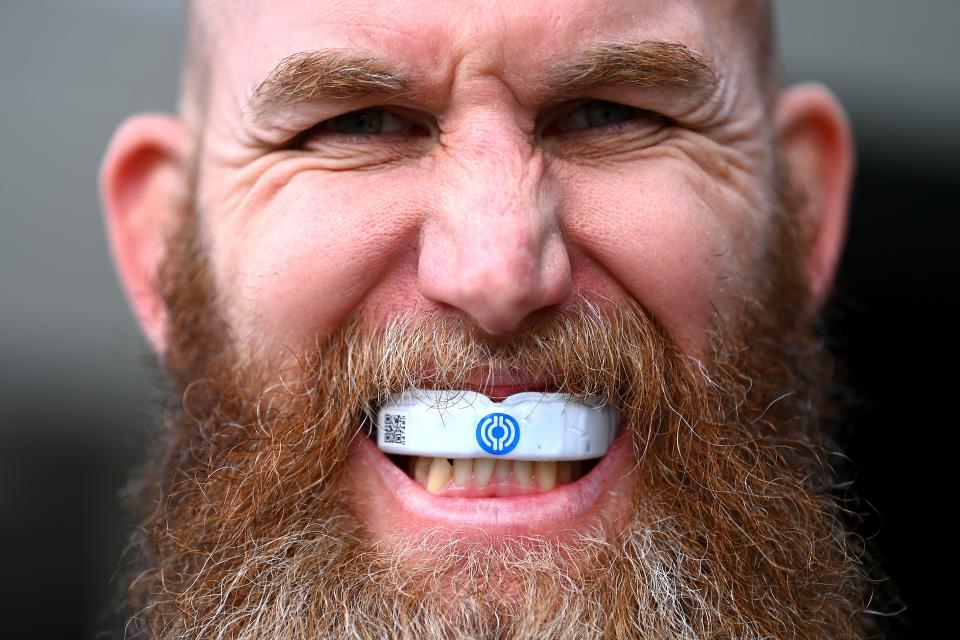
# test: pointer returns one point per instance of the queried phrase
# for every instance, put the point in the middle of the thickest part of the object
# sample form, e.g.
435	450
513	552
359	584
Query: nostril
500	302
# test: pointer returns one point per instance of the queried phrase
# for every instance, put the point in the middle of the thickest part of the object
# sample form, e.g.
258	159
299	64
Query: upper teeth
436	473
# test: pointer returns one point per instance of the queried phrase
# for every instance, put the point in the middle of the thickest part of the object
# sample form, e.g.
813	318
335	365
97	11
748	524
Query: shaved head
197	57
751	19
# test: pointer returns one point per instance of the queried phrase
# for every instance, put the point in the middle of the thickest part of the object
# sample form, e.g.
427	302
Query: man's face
518	161
575	196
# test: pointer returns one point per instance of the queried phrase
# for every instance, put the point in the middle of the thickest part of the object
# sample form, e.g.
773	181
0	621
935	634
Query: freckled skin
485	217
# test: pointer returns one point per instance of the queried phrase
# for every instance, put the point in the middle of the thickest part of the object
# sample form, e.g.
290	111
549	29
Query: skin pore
603	198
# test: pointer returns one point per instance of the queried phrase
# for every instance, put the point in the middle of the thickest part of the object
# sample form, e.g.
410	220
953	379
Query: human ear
142	188
816	146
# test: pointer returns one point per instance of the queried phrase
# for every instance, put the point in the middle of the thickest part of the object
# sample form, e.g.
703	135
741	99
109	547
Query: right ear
143	183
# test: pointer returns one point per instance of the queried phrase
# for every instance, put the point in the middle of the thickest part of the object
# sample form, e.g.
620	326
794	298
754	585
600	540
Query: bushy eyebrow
324	74
337	73
639	64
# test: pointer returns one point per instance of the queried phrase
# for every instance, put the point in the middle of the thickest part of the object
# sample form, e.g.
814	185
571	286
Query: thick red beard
734	531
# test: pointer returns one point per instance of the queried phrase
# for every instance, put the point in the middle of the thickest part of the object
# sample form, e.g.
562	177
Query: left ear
816	144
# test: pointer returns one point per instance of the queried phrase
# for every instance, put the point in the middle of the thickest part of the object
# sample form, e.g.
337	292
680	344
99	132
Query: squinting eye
363	122
598	113
595	113
371	126
368	122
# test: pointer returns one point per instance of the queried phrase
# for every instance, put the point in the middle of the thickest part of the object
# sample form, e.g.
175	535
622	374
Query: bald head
197	57
748	22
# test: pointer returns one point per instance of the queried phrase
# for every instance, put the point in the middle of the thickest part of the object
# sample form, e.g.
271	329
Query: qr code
394	428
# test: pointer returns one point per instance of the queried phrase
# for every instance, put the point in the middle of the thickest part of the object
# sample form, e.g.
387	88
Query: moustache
317	400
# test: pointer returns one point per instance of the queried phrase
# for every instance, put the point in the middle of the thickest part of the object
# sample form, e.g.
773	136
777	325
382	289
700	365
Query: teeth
436	473
521	472
546	474
462	470
439	475
421	469
483	470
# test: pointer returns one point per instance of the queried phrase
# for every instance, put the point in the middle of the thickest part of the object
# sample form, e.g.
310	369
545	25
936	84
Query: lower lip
389	497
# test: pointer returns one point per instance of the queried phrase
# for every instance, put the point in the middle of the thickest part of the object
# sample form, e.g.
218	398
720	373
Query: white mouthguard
467	424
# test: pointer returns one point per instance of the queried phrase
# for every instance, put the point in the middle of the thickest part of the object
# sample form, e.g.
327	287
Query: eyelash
325	127
636	114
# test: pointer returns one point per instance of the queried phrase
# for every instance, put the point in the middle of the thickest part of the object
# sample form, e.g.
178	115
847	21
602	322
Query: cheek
320	246
684	249
297	267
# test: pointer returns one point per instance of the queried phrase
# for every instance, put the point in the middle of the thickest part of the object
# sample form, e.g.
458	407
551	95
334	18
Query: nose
493	248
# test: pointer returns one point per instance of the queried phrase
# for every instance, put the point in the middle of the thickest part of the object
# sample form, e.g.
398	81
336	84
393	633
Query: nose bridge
496	191
496	251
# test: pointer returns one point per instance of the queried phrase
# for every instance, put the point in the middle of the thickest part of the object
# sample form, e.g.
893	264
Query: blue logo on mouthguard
498	433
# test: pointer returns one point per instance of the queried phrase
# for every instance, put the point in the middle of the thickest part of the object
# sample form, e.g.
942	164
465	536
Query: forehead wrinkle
378	78
343	73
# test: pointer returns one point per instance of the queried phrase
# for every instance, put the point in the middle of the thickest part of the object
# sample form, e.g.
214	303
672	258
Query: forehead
437	39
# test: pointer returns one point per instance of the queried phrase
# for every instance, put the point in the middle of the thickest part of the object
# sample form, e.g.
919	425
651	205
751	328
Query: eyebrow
638	64
339	74
324	74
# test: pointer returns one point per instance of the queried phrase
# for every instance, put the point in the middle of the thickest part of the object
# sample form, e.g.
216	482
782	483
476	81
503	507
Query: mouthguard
467	424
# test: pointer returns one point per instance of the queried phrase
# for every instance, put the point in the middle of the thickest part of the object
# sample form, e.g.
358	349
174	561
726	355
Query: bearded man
609	202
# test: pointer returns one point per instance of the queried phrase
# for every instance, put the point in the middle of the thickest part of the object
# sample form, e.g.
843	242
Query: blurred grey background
77	396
